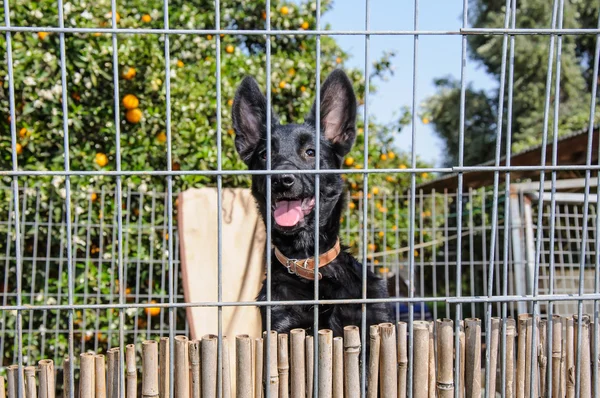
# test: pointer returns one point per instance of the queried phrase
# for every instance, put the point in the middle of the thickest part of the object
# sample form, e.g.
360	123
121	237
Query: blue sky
438	56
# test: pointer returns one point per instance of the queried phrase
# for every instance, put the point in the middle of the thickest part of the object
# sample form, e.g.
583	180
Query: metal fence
107	237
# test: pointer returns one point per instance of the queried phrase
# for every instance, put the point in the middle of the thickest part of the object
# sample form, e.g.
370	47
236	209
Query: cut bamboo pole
338	367
194	355
100	377
325	363
542	358
47	386
226	369
445	351
402	359
150	384
431	381
30	386
283	365
570	369
182	366
585	385
298	365
310	366
208	367
113	373
531	361
556	356
164	357
352	348
258	368
271	376
13	380
243	355
66	380
131	368
510	358
2	388
521	353
87	383
373	371
421	359
473	358
388	358
494	355
463	355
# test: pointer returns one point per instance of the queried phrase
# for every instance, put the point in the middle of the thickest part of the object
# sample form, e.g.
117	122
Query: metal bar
268	192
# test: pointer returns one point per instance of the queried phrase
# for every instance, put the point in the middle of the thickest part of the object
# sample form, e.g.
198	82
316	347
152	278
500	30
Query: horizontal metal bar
449	300
566	197
259	32
559	184
463	169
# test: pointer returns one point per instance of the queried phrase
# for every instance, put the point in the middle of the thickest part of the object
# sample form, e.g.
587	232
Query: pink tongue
288	212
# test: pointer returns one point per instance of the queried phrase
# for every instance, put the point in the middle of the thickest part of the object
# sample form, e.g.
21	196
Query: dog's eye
263	155
310	152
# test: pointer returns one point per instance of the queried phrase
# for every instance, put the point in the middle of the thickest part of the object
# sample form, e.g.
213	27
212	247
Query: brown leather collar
305	268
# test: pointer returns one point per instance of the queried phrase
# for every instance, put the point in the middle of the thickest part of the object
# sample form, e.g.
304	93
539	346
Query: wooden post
283	365
473	359
338	367
208	366
388	357
150	384
100	377
421	359
325	363
272	378
226	369
30	386
47	386
373	370
164	356
556	356
570	370
352	348
310	363
521	354
131	368
87	382
402	359
66	380
585	386
181	366
510	358
194	355
445	352
298	366
494	355
258	368
243	381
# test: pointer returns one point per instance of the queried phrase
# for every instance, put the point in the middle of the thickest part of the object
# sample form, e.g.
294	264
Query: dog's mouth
290	212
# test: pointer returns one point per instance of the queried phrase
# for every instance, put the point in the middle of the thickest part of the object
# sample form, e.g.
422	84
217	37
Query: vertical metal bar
421	254
268	188
434	253
397	256
596	320
9	224
446	255
36	227
86	268
472	253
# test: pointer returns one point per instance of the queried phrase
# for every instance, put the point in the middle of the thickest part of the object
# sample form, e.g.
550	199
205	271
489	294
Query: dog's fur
292	148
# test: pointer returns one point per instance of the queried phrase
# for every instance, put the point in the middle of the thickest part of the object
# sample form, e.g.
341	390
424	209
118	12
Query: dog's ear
249	117
338	111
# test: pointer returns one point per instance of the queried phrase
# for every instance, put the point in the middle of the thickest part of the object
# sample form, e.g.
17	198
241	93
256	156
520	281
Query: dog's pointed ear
338	111
249	115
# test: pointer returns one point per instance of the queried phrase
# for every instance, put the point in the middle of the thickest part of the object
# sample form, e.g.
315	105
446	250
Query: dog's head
293	147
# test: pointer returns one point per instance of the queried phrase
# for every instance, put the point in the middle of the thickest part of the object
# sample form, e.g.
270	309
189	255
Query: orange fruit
383	209
425	120
349	161
383	156
42	35
381	233
391	155
284	10
372	247
161	137
180	63
101	159
96	34
302	88
389	179
394	227
291	71
338	60
209	37
353	185
134	115
263	15
152	311
129	73
23	133
402	166
176	166
230	102
130	101
230	49
351	205
93	196
109	16
146	18
282	84
19	149
424	175
375	190
361	130
304	25
376	262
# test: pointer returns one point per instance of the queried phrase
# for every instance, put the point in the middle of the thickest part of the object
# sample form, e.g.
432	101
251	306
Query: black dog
293	202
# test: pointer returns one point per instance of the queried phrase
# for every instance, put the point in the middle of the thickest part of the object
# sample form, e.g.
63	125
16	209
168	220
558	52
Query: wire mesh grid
111	240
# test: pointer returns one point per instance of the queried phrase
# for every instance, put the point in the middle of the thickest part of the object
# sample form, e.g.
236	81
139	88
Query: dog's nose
284	180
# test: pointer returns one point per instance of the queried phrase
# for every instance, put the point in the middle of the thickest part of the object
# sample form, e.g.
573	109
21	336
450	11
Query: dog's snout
284	180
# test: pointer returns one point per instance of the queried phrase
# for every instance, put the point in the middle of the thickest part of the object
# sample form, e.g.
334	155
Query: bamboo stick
164	357
338	367
310	364
445	351
150	384
243	381
563	364
298	365
352	348
182	366
373	371
66	380
431	381
585	385
531	361
194	355
271	376
226	369
208	366
87	383
521	354
388	358
114	372
421	359
258	367
30	386
47	385
100	377
325	363
13	380
570	369
473	358
542	358
402	359
510	358
494	355
2	388
556	356
283	365
131	368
